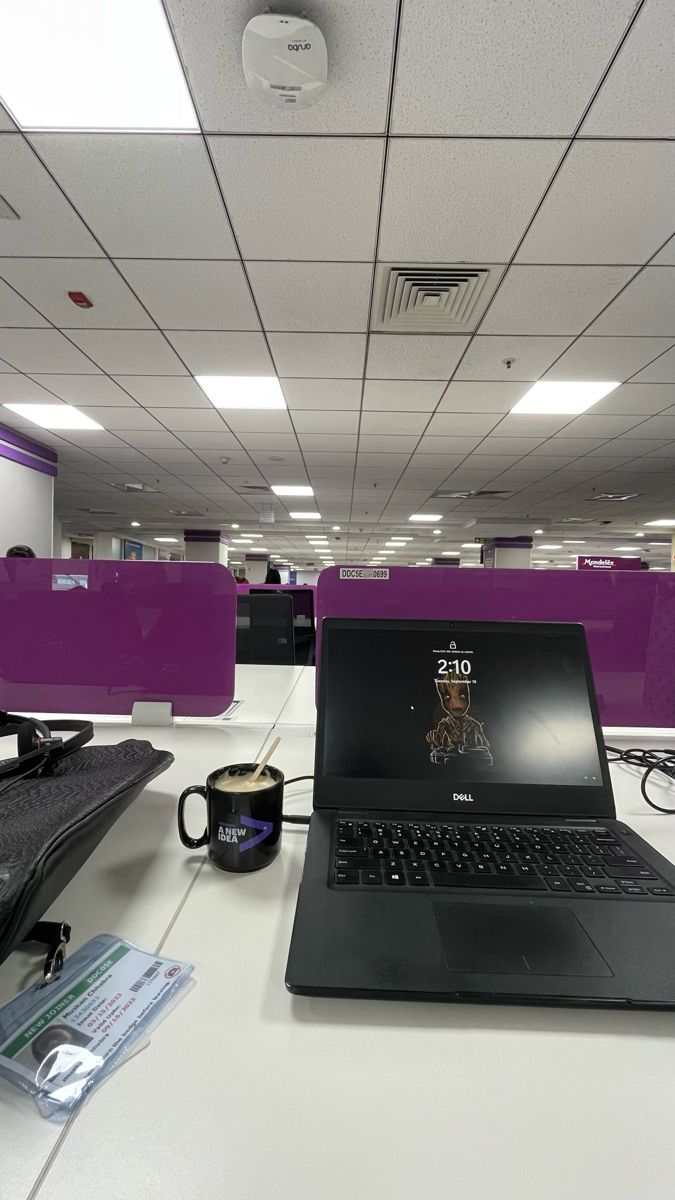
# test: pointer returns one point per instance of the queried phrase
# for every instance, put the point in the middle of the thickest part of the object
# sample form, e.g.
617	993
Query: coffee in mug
243	825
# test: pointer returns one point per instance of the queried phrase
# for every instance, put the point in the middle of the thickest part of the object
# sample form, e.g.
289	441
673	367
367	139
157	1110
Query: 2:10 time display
458	666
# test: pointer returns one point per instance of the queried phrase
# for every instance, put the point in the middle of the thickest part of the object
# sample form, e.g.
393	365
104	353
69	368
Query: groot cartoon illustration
457	732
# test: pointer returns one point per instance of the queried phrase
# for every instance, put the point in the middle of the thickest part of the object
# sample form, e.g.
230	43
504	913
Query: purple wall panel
629	620
136	631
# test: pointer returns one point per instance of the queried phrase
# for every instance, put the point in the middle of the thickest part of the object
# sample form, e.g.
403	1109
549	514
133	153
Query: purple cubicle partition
94	637
629	620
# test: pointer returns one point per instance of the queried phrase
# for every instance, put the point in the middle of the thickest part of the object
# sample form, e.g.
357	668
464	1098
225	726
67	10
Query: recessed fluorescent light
284	490
639	535
305	516
394	545
135	524
538	531
551	546
242	391
632	549
401	539
252	536
664	523
53	416
450	553
235	526
320	537
470	546
336	529
426	517
386	553
658	543
538	561
242	541
84	66
173	540
552	397
574	542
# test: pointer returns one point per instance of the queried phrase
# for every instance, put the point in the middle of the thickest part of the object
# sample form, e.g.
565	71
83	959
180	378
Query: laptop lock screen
492	717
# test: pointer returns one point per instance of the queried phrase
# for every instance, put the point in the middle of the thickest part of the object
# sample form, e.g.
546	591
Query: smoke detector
285	60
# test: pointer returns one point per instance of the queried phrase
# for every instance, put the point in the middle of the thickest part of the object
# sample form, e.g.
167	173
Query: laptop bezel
494	799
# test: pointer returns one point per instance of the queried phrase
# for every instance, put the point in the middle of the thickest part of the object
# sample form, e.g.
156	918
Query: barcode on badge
146	976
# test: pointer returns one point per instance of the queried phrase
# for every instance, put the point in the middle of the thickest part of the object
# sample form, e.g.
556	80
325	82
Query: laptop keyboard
524	858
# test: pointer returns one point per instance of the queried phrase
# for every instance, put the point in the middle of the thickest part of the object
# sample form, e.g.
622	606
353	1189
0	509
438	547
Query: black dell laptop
463	844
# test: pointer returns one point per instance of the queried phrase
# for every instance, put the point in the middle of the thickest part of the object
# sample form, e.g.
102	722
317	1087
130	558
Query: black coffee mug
243	829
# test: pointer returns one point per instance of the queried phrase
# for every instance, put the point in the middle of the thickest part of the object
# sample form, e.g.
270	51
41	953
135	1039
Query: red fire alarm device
80	299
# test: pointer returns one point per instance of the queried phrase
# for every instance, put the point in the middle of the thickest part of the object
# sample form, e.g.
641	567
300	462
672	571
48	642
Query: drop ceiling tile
393	422
213	442
242	420
464	424
530	357
600	427
606	357
308	421
146	195
48	224
193	419
273	443
427	179
510	445
192	293
211	353
398	395
637	98
645	307
360	45
91	390
414	356
388	443
43	350
528	425
488	397
661	371
665	257
136	351
164	391
441	447
154	439
339	394
661	426
610	203
18	389
511	69
5	368
565	445
341	442
318	355
312	295
120	418
554	300
642	399
14	310
45	282
301	198
321	460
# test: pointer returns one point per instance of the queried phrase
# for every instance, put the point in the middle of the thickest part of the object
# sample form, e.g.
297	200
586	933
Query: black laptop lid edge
331	792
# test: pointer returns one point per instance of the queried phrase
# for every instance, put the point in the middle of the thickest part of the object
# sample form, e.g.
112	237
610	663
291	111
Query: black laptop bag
58	799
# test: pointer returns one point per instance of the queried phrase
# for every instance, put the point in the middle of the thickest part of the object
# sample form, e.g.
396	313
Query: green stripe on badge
49	1014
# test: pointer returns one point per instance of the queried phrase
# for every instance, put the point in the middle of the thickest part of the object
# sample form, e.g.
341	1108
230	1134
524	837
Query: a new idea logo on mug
243	817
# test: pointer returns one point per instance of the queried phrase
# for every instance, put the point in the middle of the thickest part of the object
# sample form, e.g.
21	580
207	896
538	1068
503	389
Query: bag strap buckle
55	935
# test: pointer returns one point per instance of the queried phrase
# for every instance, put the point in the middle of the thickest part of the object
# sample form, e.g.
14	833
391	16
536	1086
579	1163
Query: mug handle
191	843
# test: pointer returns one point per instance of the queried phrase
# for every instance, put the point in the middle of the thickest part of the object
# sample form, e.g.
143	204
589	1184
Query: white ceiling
536	139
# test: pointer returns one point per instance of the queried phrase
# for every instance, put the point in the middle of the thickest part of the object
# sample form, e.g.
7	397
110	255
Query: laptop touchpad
515	939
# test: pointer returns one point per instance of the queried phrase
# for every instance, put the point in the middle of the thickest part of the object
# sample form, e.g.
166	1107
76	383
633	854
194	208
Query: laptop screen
453	711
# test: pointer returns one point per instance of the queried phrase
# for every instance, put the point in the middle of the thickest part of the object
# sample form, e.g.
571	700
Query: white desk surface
248	1092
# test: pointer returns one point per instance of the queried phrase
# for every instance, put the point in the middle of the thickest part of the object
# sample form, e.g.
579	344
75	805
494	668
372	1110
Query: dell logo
464	797
299	45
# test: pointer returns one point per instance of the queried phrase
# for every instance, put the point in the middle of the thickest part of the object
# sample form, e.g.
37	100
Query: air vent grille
258	489
432	299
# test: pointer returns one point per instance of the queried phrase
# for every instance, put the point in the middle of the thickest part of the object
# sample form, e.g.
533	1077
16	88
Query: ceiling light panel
93	66
305	516
290	490
242	391
425	517
550	397
53	416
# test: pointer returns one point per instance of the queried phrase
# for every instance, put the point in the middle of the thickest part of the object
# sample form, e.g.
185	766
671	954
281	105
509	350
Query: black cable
297	820
649	761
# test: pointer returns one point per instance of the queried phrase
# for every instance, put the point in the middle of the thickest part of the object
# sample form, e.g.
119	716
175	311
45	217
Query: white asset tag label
364	572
